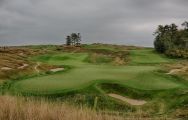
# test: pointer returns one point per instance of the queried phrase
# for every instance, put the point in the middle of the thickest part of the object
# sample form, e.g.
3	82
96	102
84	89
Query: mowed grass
83	74
147	56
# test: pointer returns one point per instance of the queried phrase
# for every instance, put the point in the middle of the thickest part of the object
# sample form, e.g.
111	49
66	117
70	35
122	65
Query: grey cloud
106	21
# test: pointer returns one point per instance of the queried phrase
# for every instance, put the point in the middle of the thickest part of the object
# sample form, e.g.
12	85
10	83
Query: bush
177	53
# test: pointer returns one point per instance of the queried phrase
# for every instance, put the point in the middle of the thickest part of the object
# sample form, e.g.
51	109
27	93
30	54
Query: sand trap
23	66
174	71
57	69
36	67
6	68
128	100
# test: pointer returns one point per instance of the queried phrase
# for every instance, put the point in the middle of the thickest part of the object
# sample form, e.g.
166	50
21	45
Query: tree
78	40
174	35
167	37
74	39
68	40
161	39
171	40
185	25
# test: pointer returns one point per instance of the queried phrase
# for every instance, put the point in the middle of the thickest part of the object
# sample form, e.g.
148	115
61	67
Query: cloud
106	21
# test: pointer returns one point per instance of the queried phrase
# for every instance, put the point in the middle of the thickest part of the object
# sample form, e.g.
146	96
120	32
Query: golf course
102	77
138	74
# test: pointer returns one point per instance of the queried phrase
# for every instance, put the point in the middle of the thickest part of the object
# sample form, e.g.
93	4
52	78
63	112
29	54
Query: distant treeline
172	41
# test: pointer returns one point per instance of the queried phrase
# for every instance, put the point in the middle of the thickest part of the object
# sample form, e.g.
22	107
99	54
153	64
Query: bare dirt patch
128	100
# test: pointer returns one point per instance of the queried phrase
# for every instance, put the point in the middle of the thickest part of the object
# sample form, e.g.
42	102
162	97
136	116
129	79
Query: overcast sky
106	21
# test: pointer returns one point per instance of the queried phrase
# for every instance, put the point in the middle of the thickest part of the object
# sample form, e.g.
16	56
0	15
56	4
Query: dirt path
128	100
36	67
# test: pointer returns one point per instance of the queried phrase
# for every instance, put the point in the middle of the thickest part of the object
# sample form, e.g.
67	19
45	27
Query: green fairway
147	56
83	74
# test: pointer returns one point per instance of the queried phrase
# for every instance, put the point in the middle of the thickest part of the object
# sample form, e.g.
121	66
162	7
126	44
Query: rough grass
12	60
17	108
30	109
110	47
98	58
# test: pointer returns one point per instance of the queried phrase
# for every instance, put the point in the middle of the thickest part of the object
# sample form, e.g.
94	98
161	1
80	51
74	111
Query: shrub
177	53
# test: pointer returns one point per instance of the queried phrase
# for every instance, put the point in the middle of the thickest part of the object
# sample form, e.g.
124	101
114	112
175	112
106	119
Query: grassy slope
144	77
147	56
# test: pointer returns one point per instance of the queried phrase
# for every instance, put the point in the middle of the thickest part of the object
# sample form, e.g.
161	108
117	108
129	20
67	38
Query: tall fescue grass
19	108
13	108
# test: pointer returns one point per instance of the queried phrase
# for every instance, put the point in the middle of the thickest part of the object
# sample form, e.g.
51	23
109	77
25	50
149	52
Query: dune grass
15	108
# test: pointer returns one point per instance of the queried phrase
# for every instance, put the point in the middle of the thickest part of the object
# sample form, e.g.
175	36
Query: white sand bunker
128	100
56	69
23	66
175	71
6	68
36	67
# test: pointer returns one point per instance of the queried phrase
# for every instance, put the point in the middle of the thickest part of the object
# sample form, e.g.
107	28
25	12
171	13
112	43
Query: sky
130	22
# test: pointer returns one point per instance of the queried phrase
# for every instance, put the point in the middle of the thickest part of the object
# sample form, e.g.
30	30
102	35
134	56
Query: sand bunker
36	67
56	69
128	100
174	71
6	68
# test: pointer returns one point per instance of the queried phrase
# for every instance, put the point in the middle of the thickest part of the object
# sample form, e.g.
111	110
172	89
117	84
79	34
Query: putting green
83	74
